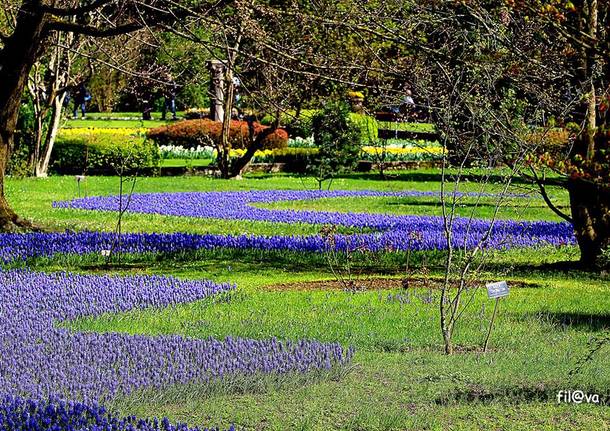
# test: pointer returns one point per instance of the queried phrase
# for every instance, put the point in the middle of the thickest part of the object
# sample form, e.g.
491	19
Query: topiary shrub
193	133
368	126
338	140
103	154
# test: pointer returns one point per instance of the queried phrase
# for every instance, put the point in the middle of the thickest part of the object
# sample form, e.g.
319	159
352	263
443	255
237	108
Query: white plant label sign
497	290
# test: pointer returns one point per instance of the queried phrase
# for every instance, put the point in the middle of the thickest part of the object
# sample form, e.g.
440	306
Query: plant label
497	290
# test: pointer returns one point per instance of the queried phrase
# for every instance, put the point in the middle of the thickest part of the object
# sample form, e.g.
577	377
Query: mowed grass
102	122
33	198
191	163
399	378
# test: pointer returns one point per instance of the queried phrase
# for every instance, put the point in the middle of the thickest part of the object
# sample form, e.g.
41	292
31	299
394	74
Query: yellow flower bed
436	150
119	131
268	153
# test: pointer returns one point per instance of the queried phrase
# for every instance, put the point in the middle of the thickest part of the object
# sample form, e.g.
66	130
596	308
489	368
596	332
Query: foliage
298	124
105	152
19	162
338	141
367	125
193	133
604	259
301	125
595	168
196	113
105	87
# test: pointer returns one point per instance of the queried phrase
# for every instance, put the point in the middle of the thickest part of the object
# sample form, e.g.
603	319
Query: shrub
367	125
338	141
103	153
193	133
302	126
276	140
196	113
296	126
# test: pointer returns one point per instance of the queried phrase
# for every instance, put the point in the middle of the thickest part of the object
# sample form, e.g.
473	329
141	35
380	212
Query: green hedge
368	127
302	126
103	154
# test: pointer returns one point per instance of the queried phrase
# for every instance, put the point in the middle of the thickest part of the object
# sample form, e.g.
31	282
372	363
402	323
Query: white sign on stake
497	290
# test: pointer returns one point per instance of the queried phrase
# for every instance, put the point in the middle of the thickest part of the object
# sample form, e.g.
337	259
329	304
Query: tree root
11	222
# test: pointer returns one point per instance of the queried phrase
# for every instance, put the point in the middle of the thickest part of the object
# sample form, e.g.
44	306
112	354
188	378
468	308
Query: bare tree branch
75	10
89	30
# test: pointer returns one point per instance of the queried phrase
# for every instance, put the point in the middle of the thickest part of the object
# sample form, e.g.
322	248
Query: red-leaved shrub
190	133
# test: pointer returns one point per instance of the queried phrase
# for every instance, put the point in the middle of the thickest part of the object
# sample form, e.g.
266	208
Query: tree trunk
239	165
21	50
590	204
42	165
591	99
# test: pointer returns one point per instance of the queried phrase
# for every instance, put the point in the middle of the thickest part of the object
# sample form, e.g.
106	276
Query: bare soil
381	283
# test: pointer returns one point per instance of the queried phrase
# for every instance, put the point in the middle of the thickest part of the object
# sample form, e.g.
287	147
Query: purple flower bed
391	232
240	206
39	360
422	237
57	415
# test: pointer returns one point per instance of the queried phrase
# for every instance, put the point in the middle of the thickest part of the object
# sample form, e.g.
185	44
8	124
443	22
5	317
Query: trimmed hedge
103	154
302	126
193	133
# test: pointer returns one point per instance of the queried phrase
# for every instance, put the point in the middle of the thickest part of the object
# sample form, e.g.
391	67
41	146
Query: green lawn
191	163
399	378
32	198
541	332
114	124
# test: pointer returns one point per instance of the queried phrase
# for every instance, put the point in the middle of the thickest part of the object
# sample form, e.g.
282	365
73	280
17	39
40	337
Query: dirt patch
381	283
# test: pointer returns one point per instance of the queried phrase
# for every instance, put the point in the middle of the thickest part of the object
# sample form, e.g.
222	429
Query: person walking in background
81	97
237	96
147	107
170	90
407	107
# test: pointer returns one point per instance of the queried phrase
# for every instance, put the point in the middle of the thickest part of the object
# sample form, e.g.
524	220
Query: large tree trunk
589	201
590	204
21	50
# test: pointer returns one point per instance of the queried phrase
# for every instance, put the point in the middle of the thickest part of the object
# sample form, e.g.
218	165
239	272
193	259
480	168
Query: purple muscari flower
40	360
54	414
241	205
390	232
